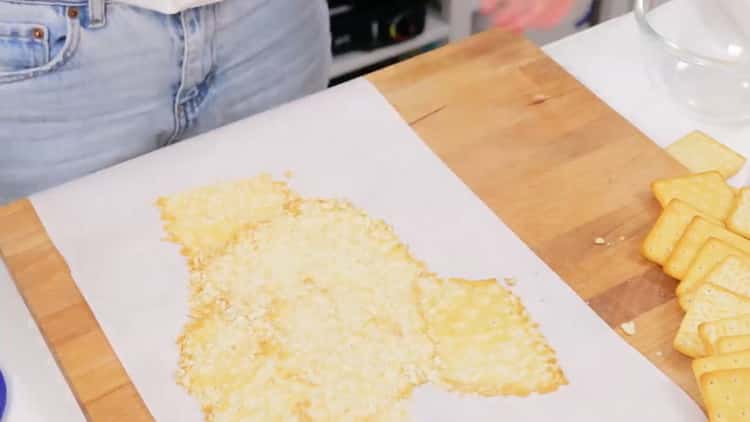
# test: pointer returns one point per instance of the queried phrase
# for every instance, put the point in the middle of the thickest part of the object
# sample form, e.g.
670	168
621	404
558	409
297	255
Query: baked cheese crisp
314	311
485	341
204	220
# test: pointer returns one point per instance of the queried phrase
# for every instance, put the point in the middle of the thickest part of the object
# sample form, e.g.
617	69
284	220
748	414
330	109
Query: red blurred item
517	15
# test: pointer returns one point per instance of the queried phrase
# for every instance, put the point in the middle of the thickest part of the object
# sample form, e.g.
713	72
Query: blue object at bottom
3	395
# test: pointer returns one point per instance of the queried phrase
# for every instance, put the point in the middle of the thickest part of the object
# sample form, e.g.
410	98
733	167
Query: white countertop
37	391
609	60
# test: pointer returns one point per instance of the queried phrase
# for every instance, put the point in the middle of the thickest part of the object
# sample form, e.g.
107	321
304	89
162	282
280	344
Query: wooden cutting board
554	162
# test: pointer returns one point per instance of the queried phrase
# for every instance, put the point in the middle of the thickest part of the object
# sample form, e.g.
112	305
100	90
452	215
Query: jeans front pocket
35	39
23	46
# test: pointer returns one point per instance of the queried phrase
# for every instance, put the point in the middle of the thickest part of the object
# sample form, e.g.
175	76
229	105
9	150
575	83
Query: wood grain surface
554	162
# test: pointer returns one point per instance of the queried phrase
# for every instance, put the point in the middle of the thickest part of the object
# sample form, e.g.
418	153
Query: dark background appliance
369	24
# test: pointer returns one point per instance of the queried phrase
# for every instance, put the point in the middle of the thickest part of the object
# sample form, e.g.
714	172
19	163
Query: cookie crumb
510	281
628	328
539	99
288	174
600	241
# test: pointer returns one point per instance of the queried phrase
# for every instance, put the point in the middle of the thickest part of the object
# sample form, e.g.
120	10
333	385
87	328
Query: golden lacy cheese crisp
204	220
315	311
337	290
481	350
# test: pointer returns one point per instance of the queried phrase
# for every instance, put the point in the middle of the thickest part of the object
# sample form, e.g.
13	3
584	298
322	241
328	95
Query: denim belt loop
97	13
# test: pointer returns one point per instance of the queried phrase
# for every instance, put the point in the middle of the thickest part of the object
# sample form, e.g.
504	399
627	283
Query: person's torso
168	6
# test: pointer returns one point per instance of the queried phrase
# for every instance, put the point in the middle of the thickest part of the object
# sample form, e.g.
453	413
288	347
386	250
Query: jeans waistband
96	9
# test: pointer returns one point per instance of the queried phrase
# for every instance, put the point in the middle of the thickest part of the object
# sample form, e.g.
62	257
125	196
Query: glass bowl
696	52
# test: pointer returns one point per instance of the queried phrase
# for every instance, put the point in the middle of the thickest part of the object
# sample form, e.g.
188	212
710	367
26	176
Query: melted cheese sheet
310	310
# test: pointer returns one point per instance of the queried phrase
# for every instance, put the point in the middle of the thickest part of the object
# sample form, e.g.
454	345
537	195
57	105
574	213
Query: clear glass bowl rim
641	9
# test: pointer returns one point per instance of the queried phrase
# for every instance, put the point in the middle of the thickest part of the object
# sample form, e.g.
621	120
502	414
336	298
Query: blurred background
370	34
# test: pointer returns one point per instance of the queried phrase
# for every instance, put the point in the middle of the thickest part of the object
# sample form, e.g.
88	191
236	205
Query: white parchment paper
347	142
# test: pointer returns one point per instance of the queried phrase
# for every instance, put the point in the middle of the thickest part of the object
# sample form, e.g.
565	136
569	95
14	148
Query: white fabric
168	6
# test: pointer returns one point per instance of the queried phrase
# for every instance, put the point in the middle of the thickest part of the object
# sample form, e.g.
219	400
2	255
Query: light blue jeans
84	85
